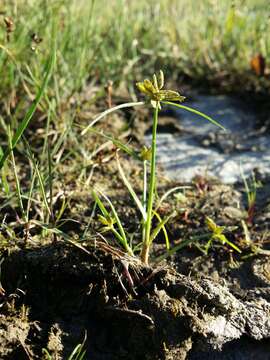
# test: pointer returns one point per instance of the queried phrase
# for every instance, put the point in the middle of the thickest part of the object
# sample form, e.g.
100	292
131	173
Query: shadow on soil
57	293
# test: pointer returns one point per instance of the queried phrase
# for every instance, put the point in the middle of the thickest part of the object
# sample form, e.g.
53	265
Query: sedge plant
156	96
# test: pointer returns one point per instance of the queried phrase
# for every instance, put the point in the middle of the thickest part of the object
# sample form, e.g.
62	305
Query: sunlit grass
209	39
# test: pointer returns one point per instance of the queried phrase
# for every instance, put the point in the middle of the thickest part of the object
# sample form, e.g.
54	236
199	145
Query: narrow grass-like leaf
50	179
77	353
163	229
109	111
39	176
47	354
251	190
195	112
119	224
157	229
52	230
61	211
42	187
100	204
5	180
245	184
246	232
29	196
144	197
25	122
169	192
224	239
120	236
117	143
131	191
17	182
180	246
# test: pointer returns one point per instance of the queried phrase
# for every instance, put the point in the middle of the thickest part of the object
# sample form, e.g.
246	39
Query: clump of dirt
55	346
127	310
14	330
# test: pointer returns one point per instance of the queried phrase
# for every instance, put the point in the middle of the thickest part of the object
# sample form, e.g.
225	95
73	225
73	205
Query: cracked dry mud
65	291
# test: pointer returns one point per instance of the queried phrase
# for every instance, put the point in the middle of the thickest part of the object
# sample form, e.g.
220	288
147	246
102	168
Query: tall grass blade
25	122
29	200
39	177
77	353
17	182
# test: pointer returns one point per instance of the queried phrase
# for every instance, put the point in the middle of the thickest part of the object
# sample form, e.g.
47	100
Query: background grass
208	42
120	41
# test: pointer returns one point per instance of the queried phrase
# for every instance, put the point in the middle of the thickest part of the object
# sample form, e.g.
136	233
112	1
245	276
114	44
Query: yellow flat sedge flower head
153	90
212	226
146	153
107	222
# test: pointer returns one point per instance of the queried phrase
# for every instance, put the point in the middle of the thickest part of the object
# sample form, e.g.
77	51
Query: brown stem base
145	254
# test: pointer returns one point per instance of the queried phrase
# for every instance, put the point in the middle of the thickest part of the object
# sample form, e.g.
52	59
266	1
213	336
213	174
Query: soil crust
57	293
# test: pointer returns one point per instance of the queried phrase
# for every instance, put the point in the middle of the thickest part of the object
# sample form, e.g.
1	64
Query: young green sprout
218	234
251	187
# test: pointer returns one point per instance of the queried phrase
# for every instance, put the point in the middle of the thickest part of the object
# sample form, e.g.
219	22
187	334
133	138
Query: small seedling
218	235
155	96
251	193
77	354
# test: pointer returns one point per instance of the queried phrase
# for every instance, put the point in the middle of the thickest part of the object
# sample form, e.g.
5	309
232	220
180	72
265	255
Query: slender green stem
50	180
144	198
29	200
151	189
